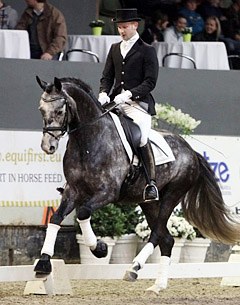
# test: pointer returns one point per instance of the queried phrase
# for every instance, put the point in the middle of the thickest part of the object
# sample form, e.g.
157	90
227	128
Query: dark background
210	96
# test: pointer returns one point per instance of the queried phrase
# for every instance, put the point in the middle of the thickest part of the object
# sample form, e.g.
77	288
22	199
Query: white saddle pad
162	154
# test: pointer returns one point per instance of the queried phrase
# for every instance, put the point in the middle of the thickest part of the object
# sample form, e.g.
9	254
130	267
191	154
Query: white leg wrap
162	277
50	239
89	237
144	254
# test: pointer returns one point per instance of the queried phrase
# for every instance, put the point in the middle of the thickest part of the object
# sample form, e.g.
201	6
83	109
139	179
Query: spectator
154	31
194	19
46	27
8	16
211	32
174	34
233	16
210	8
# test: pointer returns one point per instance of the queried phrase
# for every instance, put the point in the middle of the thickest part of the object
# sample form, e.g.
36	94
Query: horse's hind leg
43	266
157	219
151	211
161	235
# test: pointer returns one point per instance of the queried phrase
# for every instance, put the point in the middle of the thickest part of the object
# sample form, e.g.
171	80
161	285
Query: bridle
65	126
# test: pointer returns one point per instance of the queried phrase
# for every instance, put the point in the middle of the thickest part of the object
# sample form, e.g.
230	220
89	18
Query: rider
132	67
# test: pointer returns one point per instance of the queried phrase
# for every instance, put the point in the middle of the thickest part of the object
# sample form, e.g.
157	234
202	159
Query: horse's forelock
49	88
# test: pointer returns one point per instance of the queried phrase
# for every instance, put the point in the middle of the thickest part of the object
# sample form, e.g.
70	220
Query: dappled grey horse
96	167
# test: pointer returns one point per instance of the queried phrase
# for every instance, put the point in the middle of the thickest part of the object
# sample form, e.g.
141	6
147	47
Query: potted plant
187	34
125	248
97	26
170	118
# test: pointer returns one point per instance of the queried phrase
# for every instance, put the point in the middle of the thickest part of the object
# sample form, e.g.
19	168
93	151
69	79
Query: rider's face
127	29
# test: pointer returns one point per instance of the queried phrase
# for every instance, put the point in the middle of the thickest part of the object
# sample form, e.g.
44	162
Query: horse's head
53	107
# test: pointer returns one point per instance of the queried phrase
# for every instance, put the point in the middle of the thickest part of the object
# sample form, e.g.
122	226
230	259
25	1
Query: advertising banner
222	153
29	177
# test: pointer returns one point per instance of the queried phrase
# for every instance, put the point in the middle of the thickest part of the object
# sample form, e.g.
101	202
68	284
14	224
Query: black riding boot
150	192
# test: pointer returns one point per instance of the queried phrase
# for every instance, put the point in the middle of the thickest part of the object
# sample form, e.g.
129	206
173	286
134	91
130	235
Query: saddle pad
162	156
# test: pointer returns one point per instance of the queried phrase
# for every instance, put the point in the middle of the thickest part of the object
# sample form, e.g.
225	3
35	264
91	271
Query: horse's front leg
43	266
98	247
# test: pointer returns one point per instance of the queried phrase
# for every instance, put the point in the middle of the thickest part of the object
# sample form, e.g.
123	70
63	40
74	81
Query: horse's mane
77	82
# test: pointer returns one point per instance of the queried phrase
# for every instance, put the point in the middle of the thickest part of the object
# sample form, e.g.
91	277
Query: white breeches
140	117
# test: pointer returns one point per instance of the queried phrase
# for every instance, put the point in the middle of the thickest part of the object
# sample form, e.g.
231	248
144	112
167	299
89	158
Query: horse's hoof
43	266
130	276
156	288
153	289
101	249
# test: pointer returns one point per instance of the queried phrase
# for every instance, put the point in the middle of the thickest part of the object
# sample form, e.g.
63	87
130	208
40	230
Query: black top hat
126	15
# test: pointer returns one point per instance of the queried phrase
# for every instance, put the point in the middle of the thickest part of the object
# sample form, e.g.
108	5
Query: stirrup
154	198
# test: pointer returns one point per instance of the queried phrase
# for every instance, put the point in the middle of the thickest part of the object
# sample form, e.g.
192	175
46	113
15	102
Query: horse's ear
57	84
41	83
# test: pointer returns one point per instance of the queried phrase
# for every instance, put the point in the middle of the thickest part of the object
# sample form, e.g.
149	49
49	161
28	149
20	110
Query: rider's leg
147	158
144	120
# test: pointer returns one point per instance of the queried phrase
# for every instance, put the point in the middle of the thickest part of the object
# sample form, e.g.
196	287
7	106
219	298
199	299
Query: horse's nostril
52	148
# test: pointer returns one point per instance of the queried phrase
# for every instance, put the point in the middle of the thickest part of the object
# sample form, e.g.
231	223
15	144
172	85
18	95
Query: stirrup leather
145	195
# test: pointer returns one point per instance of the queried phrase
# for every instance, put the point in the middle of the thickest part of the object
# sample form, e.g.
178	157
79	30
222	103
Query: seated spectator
154	31
233	16
194	19
211	32
211	8
46	27
8	16
173	33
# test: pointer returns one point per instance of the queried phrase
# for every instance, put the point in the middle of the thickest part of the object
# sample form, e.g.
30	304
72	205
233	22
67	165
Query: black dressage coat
137	72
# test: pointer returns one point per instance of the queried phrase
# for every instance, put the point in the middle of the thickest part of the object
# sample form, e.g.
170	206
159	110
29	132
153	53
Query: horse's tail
204	208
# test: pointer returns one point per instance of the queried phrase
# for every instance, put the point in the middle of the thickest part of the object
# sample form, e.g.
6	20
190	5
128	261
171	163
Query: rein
65	127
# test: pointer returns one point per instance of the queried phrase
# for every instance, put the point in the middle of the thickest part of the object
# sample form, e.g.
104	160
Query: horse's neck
88	116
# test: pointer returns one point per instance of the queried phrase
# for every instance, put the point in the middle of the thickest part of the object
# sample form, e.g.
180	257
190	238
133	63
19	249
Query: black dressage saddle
131	129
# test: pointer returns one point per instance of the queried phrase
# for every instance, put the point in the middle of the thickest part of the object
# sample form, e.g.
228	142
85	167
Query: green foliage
96	23
114	220
132	216
108	221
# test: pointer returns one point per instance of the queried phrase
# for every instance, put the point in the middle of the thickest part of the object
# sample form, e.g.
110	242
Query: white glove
103	98
123	97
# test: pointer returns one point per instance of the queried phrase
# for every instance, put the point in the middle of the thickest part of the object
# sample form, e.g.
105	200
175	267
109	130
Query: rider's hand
123	97
103	98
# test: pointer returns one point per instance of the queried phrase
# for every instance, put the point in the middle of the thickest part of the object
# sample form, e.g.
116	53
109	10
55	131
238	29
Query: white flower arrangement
142	230
177	226
175	117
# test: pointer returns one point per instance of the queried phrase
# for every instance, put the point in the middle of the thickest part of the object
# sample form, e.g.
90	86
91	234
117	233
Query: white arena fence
58	282
117	271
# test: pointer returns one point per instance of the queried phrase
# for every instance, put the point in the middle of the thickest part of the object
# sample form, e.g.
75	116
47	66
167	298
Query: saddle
131	129
133	135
